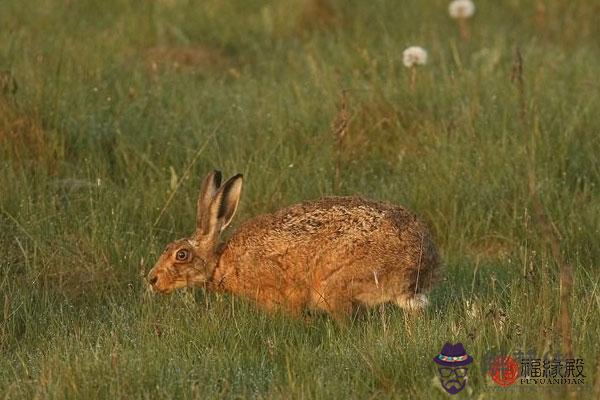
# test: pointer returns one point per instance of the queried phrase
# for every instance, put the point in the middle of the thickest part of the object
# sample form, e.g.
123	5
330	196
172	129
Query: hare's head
191	261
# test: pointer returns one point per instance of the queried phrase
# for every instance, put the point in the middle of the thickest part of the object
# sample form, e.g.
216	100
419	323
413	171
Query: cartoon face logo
452	367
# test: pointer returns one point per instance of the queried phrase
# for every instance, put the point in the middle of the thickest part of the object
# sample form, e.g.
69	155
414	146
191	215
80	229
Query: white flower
461	9
414	55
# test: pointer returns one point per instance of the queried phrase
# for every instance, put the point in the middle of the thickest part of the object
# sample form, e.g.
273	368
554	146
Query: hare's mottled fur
327	255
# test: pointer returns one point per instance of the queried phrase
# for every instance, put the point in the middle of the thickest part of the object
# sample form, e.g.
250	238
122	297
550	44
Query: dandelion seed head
461	9
414	55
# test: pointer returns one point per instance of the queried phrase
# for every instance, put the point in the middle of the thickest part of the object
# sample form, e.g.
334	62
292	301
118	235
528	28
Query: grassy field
111	112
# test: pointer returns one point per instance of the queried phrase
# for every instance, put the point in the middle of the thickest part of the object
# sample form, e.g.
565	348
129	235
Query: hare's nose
153	280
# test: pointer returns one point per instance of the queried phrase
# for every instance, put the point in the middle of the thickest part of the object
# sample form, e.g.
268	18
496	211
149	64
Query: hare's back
320	225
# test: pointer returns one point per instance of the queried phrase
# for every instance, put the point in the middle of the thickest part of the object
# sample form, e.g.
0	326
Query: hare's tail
414	302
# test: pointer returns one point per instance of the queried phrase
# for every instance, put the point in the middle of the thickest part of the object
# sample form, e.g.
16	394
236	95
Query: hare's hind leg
340	309
413	302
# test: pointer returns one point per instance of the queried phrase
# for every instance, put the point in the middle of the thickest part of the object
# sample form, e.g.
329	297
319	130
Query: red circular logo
504	370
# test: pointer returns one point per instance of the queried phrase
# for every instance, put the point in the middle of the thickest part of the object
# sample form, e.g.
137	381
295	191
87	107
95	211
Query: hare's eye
182	255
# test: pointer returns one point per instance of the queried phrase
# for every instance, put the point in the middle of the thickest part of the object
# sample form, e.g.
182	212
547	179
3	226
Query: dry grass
185	59
92	273
317	15
22	134
340	131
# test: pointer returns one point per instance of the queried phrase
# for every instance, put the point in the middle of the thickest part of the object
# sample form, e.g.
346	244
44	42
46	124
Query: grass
115	102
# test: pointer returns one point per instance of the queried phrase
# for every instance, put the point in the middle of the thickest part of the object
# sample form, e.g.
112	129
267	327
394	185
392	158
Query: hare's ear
222	209
207	193
230	198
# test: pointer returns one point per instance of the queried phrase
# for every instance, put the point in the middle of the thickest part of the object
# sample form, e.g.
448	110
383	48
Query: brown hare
326	255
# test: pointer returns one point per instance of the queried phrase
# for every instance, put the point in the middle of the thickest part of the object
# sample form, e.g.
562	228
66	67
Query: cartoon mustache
452	383
452	386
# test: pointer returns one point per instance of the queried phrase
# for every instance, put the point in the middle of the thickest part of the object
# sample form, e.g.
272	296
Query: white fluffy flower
414	55
461	9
